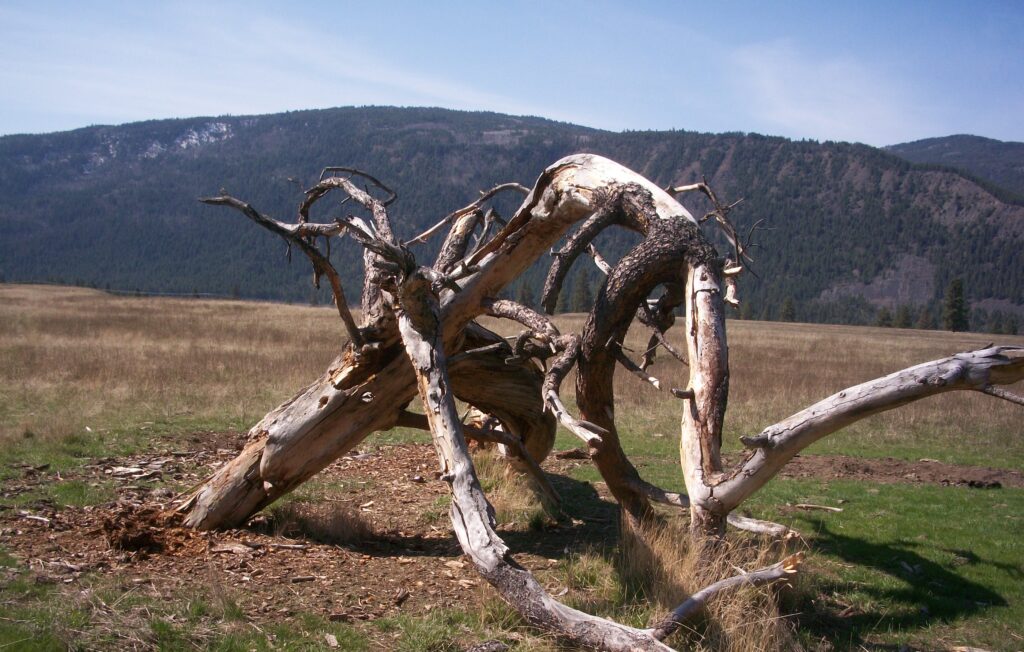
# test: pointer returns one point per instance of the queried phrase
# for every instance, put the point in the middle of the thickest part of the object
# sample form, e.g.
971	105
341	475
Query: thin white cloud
205	61
795	94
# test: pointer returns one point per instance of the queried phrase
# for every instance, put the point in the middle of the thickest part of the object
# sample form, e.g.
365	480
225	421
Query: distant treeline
115	207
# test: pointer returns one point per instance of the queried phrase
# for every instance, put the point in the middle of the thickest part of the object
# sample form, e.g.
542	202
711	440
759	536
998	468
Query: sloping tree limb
470	208
473	517
297	234
778	443
783	570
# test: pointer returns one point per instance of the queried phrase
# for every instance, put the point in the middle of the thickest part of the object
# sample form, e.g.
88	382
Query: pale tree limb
784	570
472	515
296	234
470	208
590	433
777	444
704	414
1003	394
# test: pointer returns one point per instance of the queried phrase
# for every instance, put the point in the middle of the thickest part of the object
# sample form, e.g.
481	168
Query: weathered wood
778	443
472	515
704	414
414	315
324	421
669	246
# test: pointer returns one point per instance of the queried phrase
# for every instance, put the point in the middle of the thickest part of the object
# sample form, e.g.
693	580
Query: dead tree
419	338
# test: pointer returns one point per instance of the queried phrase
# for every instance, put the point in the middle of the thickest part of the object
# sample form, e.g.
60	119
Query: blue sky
873	72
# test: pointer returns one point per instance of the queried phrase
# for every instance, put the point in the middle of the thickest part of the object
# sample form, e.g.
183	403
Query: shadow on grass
929	593
596	524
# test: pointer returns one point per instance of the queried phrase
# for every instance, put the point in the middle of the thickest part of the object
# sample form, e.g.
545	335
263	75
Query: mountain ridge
116	204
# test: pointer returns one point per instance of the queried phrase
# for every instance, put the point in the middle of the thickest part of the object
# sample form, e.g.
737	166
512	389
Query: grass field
85	375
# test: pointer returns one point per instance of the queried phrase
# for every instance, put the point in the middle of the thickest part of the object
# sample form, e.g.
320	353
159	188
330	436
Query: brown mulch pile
378	545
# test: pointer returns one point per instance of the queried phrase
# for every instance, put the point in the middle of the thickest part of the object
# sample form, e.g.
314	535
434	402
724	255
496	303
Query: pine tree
903	318
884	318
582	297
924	319
954	307
524	294
788	312
996	323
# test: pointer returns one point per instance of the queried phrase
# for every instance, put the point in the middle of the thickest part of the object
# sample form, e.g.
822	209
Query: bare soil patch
891	470
302	558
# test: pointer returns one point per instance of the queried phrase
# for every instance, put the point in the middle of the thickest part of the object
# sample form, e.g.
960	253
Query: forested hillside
993	161
853	229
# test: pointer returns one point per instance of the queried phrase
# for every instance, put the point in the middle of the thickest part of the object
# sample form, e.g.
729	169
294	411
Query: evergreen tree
788	312
924	319
1011	325
903	318
884	318
954	307
996	323
582	297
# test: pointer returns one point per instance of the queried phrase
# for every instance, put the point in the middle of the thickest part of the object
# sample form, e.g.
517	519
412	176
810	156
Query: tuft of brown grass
658	566
515	499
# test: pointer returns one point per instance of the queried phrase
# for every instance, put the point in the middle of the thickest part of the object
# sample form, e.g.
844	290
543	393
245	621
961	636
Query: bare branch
559	369
472	516
540	326
1003	394
577	243
466	210
637	371
777	444
783	570
296	234
758	526
599	260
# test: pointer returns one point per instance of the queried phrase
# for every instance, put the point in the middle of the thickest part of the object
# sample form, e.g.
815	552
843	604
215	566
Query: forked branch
300	236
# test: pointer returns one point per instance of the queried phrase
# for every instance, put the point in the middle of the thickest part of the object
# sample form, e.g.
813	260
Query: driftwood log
419	339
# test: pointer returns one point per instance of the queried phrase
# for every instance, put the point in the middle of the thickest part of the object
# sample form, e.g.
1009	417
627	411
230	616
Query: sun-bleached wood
414	315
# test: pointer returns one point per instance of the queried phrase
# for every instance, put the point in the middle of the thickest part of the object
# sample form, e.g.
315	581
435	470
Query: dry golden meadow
74	358
95	374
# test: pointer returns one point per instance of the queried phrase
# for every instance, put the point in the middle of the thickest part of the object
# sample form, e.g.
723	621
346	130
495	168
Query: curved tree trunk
416	315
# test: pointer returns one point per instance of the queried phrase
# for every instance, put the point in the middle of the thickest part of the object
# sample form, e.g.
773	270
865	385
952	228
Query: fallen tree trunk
341	408
414	315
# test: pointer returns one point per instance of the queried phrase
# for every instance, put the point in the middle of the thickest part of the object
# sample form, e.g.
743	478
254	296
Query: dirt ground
378	545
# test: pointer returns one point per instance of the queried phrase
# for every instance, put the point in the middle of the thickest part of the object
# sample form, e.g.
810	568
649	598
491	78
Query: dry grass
658	567
653	570
777	369
73	358
516	501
